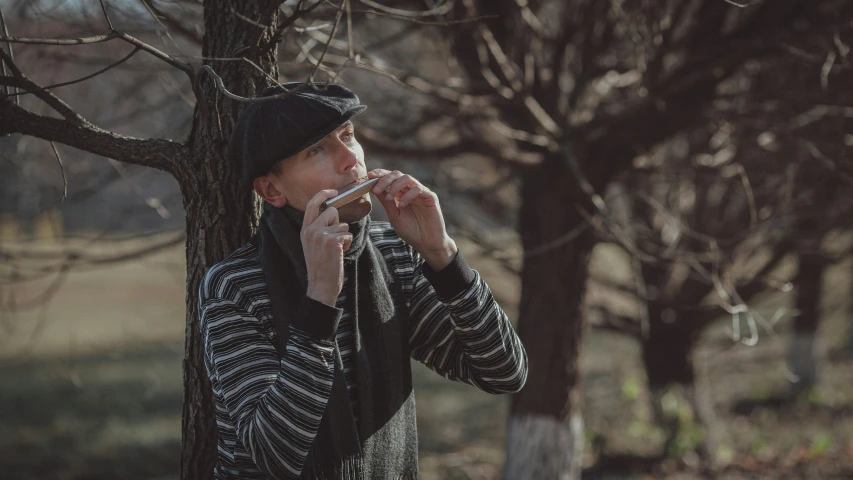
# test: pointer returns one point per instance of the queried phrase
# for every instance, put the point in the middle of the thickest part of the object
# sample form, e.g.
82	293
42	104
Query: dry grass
98	393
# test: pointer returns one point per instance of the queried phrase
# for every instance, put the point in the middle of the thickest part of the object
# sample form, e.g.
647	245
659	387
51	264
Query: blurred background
655	192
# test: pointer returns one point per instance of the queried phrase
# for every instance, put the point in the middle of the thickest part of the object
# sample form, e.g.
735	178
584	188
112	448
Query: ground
91	389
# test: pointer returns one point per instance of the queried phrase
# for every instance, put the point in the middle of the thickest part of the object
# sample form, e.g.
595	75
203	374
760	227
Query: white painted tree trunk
801	361
542	447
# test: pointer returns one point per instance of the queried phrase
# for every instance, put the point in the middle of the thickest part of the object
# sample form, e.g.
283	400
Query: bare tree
566	96
716	212
221	210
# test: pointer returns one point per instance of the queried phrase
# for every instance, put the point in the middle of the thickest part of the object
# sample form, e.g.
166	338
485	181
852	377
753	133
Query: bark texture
550	326
221	210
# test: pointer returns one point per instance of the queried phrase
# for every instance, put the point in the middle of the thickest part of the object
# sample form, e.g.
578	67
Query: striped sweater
268	410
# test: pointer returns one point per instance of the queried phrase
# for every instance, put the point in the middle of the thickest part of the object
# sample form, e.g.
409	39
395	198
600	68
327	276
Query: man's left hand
415	214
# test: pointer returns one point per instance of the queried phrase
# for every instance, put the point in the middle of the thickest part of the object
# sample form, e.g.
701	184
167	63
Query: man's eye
349	135
315	150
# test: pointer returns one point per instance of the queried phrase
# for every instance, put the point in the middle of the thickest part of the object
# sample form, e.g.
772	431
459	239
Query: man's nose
347	159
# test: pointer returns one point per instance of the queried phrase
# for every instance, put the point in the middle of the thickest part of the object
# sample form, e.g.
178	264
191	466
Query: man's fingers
412	194
400	185
385	182
328	218
312	210
342	239
338	228
347	241
377	172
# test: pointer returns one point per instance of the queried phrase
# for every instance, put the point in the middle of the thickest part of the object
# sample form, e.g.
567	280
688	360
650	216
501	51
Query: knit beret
275	129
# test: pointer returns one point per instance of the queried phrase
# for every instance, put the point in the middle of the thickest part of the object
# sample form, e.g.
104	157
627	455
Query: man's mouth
353	183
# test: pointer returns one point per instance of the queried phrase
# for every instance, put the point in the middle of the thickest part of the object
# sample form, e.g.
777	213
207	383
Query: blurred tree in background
571	96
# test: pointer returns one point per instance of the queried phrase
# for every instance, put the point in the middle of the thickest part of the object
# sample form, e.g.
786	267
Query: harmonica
349	195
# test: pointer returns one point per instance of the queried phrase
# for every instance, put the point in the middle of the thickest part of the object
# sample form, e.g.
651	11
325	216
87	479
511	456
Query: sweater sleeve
275	404
460	331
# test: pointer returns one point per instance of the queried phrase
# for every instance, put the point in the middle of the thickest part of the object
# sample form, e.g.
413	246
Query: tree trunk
220	209
668	360
668	348
545	437
801	354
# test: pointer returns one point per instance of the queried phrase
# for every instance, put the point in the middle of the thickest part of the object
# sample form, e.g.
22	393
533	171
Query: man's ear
267	190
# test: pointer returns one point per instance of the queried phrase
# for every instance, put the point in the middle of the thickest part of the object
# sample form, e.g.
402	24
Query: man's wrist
322	295
440	257
316	319
453	279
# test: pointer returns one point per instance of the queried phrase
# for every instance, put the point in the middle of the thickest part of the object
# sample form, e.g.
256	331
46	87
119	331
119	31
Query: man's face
335	162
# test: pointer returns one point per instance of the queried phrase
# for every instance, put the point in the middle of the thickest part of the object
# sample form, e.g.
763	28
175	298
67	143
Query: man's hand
324	241
416	216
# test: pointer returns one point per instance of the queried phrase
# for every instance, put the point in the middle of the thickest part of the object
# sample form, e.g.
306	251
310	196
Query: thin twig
349	28
443	23
106	15
185	67
87	77
312	28
21	81
61	41
558	242
279	30
740	5
105	38
750	197
331	36
5	32
221	86
439	10
61	169
157	19
155	203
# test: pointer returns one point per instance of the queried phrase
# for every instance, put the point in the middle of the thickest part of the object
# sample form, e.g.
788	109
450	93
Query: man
309	328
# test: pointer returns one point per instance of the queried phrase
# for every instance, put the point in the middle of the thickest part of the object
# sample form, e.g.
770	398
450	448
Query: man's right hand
324	241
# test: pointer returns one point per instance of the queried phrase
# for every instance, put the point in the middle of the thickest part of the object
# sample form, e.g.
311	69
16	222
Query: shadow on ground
98	416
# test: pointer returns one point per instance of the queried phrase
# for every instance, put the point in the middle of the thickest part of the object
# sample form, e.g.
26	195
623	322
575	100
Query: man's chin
355	210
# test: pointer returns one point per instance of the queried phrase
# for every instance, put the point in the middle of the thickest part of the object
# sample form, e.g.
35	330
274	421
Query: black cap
275	129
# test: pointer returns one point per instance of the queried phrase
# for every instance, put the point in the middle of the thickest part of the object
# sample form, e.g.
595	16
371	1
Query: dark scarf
344	448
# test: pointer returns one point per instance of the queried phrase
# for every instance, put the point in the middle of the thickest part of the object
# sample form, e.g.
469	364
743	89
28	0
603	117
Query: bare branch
156	153
107	16
5	32
439	10
148	7
349	29
47	97
185	67
217	80
279	31
105	38
615	322
61	41
740	5
331	36
155	203
412	19
558	242
87	77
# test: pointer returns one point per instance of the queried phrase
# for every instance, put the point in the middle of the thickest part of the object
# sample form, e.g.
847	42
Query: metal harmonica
349	195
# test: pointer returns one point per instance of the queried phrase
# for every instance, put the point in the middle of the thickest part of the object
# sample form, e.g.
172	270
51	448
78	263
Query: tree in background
719	215
565	96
